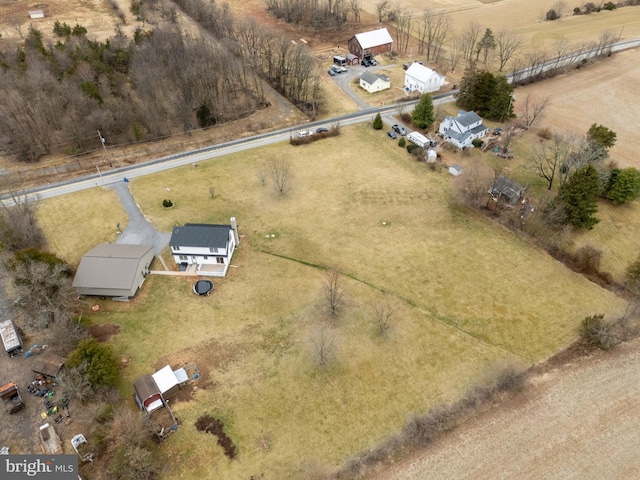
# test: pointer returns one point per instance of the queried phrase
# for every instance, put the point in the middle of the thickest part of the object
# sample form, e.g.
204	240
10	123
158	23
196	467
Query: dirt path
581	420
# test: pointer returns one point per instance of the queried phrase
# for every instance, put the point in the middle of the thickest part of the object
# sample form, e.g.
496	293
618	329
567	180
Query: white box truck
10	338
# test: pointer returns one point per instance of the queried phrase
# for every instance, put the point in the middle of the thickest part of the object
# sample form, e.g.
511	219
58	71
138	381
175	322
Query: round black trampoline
203	287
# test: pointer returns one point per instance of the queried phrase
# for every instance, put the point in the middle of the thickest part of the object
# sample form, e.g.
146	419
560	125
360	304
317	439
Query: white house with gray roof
419	78
372	82
204	249
463	129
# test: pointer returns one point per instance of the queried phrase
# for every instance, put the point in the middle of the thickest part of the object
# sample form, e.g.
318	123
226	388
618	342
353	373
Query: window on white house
220	260
183	257
205	257
176	249
212	250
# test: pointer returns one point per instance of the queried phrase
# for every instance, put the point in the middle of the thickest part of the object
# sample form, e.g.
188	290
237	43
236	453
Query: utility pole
104	149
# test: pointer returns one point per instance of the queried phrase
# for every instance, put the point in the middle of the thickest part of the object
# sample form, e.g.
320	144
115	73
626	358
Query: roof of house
351	57
420	72
467	118
372	78
374	38
200	235
110	266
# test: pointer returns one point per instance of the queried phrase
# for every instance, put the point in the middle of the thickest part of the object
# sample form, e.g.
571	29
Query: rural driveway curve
579	421
138	231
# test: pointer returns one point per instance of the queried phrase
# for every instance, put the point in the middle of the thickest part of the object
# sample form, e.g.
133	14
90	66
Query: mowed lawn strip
465	293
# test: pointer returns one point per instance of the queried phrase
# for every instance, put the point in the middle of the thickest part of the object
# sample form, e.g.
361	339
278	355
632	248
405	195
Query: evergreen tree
579	197
485	45
601	135
377	122
422	115
487	94
623	185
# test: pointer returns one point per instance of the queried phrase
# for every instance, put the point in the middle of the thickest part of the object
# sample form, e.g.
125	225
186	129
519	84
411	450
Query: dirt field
587	96
581	420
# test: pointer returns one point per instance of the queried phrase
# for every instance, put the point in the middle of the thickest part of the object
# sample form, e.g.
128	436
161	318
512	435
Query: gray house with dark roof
463	129
113	270
203	249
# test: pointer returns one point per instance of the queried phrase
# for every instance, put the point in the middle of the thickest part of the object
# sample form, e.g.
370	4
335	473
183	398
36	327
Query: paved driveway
138	231
343	80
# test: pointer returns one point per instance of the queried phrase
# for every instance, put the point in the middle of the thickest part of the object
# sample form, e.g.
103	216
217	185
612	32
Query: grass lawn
77	222
464	292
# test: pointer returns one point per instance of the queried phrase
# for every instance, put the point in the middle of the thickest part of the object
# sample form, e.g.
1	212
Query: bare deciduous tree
383	313
45	292
508	43
354	8
455	52
382	8
73	383
533	108
433	31
472	188
280	171
323	346
548	158
19	228
469	40
333	291
404	24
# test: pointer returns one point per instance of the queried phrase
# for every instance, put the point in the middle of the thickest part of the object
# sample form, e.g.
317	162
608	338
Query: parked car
392	134
373	62
332	73
304	133
398	129
336	69
365	63
322	130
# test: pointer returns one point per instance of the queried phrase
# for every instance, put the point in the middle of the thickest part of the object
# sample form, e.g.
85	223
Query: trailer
82	448
10	338
50	443
419	139
11	398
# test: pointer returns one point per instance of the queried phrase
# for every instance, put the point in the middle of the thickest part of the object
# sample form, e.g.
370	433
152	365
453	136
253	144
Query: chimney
234	227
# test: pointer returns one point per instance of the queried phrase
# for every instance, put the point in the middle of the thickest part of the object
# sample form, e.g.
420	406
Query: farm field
578	100
465	294
581	421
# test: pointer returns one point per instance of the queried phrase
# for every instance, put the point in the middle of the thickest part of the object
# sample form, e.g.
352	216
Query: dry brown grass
465	294
77	222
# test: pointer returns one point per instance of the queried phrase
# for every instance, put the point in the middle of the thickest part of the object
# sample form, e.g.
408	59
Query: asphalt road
227	148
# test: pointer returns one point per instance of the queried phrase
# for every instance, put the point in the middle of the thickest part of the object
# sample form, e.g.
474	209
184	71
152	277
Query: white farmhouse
422	79
372	82
204	249
463	129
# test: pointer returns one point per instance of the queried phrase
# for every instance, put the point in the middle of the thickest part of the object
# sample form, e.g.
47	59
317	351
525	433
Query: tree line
55	96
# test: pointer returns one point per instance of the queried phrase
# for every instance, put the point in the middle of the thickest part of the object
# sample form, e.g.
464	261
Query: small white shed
455	170
432	156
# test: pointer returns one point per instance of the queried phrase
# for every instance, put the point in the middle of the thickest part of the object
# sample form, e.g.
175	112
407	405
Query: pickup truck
80	445
11	398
